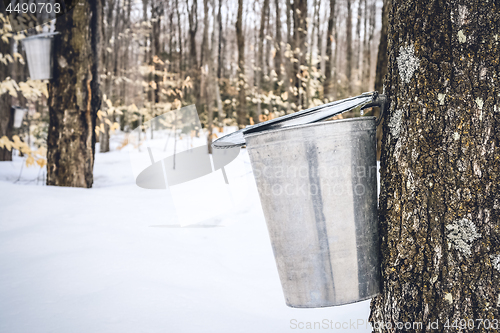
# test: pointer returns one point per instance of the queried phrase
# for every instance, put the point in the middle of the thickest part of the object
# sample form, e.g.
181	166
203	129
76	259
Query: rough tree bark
439	207
241	114
74	98
277	46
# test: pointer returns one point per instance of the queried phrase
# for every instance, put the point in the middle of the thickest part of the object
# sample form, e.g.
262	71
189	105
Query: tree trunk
381	69
372	9
319	38
366	50
277	56
382	50
157	13
316	6
299	48
359	78
179	35
288	62
74	98
439	207
193	27
335	60
258	72
220	38
328	84
106	59
242	121
6	114
349	47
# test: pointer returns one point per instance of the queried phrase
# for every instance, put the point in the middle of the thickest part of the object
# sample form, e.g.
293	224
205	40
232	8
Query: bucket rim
354	119
42	35
307	116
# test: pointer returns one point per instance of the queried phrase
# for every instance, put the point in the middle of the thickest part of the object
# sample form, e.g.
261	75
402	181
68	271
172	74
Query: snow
114	259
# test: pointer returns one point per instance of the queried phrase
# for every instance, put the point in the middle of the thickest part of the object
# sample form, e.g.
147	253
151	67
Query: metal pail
39	55
318	189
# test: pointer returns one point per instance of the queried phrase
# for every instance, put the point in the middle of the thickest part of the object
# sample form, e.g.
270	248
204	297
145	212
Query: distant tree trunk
125	64
207	58
179	36
242	121
439	206
172	48
319	37
106	31
349	47
267	54
6	114
299	47
372	9
366	49
204	54
157	12
193	27
258	72
194	70
204	41
277	46
335	61
288	60
359	78
220	39
74	97
328	84
144	19
213	88
316	5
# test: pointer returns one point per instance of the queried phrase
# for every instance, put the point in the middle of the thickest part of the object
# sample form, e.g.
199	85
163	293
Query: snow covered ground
114	259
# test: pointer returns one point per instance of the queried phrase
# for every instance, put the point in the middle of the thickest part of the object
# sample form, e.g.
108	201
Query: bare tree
349	47
74	98
258	73
382	49
277	44
328	84
299	48
242	121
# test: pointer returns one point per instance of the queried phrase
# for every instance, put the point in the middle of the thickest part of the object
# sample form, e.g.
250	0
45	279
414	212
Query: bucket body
318	189
19	116
39	56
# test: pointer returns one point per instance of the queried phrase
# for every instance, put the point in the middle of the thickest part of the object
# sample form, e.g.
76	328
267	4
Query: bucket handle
378	100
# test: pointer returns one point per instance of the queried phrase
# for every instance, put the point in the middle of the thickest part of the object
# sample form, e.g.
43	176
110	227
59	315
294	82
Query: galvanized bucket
39	55
318	189
19	113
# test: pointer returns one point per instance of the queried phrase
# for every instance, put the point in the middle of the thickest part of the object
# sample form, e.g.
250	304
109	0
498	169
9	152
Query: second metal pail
318	189
39	55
